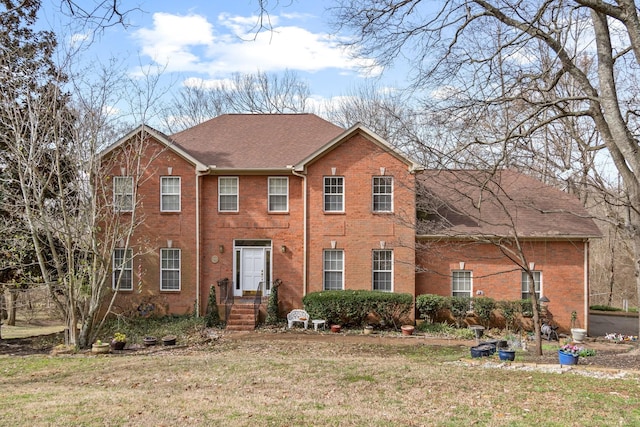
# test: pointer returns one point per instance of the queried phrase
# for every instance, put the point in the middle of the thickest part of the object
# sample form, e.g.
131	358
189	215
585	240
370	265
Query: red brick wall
358	231
561	263
155	231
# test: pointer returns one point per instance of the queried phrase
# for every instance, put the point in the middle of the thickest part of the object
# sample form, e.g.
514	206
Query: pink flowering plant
571	349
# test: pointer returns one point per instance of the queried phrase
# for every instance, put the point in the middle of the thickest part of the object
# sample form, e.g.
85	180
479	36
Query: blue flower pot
505	354
567	359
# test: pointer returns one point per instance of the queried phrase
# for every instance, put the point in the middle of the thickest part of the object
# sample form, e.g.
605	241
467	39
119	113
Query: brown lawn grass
298	382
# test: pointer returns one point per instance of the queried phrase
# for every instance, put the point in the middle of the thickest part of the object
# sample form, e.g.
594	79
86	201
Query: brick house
242	202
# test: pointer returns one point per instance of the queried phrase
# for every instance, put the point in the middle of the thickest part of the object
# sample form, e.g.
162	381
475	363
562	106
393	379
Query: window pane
122	268
123	193
537	276
383	194
228	197
333	193
333	269
170	269
461	283
170	193
382	270
278	194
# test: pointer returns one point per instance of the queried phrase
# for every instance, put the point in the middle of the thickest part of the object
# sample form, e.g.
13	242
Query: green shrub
459	306
428	306
525	307
351	307
272	307
509	310
483	307
604	308
212	317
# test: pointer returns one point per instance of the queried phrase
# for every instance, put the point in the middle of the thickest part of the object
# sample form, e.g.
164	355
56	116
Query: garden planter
505	354
368	330
493	344
578	334
100	348
149	341
169	340
336	328
484	350
407	329
118	345
567	358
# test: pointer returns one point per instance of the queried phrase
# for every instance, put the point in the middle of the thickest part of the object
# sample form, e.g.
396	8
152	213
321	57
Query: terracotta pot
336	328
407	329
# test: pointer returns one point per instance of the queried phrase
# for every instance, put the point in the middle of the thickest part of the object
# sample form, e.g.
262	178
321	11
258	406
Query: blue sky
206	41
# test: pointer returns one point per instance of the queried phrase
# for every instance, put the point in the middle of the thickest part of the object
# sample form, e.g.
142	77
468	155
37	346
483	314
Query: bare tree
242	93
592	45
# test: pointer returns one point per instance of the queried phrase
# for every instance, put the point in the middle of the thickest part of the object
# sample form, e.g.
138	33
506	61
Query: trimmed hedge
352	307
428	306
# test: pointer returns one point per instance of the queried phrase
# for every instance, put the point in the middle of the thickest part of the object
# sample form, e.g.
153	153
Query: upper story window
334	194
382	270
170	194
382	194
526	280
461	283
122	268
169	269
123	193
278	194
333	269
228	194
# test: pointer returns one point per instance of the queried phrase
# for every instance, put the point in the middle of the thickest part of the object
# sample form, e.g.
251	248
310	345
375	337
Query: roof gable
144	131
501	203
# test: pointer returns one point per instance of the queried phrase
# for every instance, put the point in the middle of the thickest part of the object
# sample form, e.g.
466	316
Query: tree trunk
10	296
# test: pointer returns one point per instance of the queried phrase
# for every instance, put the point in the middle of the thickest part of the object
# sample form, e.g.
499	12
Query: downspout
199	174
304	229
586	285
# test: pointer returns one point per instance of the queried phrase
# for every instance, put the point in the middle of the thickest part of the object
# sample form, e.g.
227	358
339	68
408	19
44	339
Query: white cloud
192	44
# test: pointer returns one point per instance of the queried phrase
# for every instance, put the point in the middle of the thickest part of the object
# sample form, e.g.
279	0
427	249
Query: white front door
251	270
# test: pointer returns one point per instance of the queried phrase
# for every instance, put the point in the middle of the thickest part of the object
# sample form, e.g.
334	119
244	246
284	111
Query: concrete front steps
242	317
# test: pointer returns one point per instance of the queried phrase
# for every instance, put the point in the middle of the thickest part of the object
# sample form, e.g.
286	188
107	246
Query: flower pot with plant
100	347
569	354
119	341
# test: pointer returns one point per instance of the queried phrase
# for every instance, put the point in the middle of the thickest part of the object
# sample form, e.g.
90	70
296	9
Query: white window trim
373	271
324	193
114	279
286	209
522	274
116	202
470	279
179	270
373	194
237	194
324	270
179	194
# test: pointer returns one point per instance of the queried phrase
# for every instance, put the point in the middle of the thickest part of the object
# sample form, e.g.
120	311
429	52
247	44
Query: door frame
239	245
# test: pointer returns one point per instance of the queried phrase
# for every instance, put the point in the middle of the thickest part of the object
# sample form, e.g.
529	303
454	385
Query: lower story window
122	268
333	269
526	280
382	270
169	269
461	283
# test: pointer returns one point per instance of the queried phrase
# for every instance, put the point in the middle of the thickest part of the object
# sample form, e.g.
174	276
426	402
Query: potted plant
569	354
100	347
119	341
